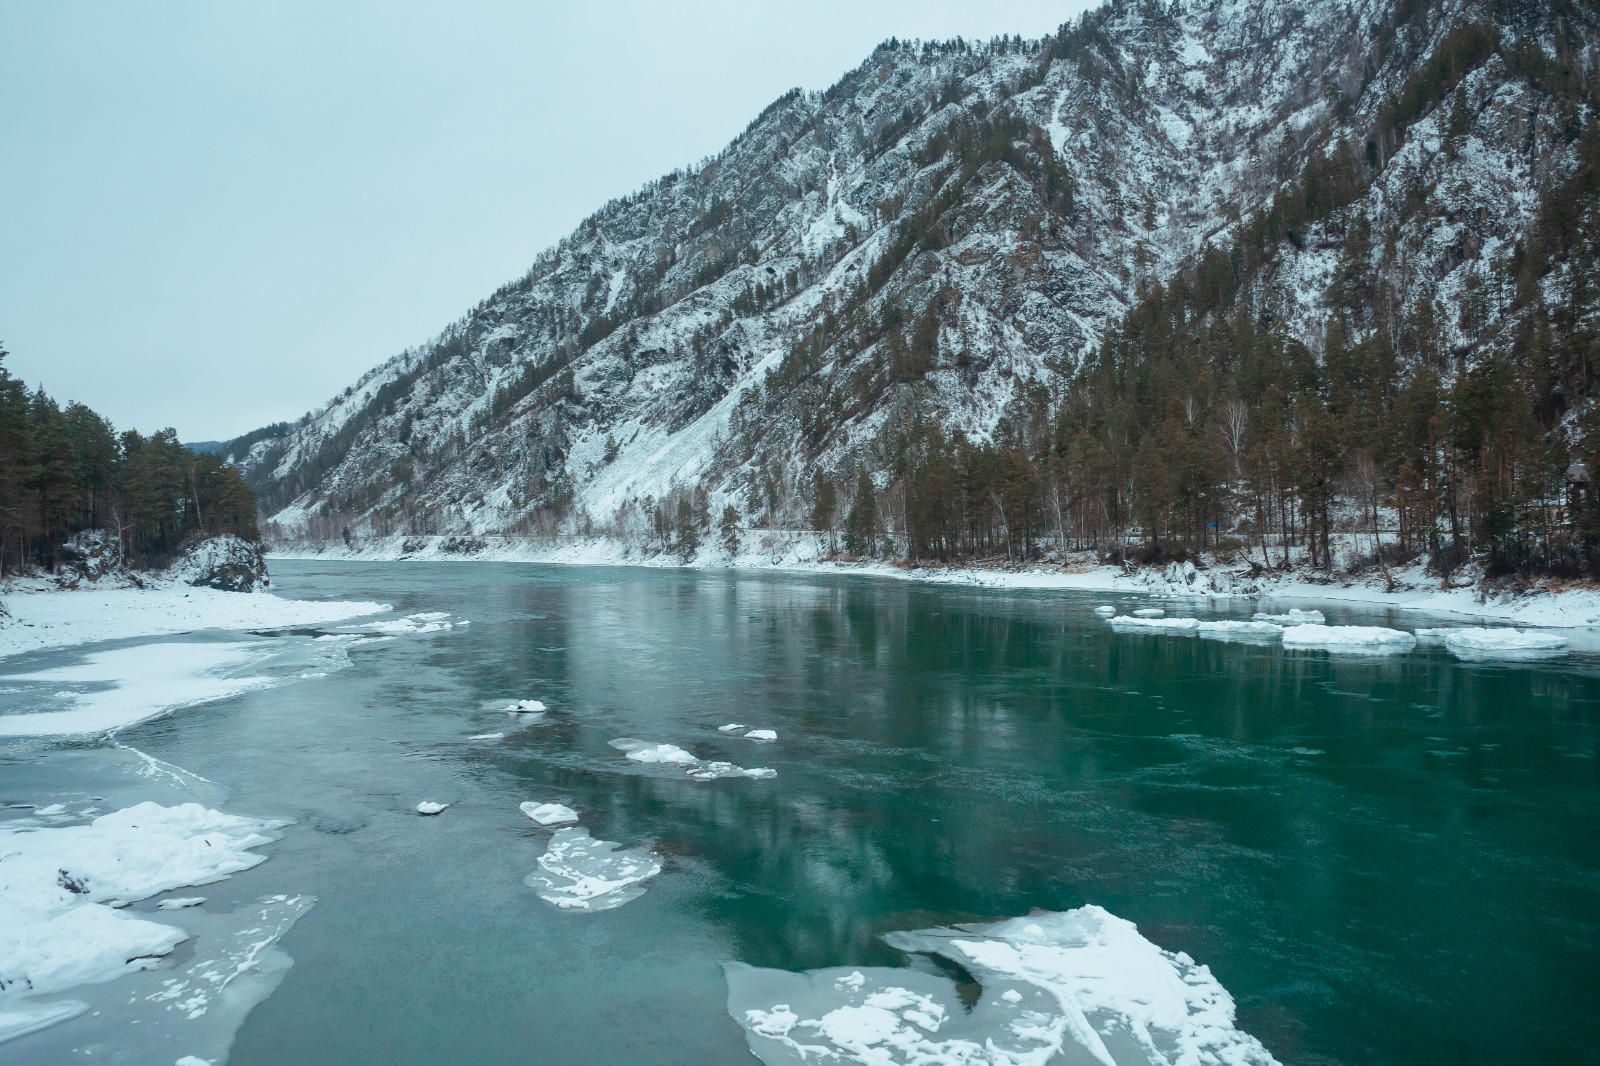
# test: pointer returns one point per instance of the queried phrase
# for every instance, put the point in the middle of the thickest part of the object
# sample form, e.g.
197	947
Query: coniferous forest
65	469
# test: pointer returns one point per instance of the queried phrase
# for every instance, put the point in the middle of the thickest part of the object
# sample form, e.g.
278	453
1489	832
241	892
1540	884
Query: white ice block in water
1363	639
1233	629
549	813
1292	617
761	734
578	872
1080	986
713	771
1473	643
487	736
644	751
1149	612
181	903
526	707
1105	611
1174	625
424	622
430	807
731	727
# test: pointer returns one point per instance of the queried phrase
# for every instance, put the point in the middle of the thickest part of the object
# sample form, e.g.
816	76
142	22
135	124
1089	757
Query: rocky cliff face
943	236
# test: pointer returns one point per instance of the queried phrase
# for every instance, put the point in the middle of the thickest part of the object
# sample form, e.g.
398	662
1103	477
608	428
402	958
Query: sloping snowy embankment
780	551
42	619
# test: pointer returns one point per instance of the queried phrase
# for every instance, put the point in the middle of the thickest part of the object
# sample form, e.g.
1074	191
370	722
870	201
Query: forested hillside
65	469
1295	284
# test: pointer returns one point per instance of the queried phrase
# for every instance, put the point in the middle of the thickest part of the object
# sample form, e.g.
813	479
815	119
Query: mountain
1183	277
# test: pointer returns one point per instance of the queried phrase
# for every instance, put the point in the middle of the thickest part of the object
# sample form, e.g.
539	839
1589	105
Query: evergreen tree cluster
66	469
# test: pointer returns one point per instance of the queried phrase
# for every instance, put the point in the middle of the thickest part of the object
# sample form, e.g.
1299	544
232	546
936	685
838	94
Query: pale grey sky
218	215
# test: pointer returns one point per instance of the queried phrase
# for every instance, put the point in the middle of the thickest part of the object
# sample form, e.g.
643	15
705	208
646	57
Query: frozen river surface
814	816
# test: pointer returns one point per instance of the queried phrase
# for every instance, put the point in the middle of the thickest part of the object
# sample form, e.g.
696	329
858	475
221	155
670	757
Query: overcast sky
218	215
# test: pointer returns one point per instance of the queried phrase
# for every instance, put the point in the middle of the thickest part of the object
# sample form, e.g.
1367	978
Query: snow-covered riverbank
40	616
1412	589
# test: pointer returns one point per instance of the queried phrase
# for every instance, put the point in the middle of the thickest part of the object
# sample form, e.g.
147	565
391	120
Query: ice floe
731	727
487	736
1105	610
180	903
1079	986
412	624
1149	612
526	707
549	813
1173	625
61	889
1292	617
1233	629
761	734
1365	639
430	807
578	872
713	771
1482	643
646	752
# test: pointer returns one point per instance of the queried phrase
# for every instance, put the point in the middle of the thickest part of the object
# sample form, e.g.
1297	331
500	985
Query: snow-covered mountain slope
941	236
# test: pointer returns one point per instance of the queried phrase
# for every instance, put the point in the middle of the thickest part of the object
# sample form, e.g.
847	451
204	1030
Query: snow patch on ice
135	684
1082	985
60	889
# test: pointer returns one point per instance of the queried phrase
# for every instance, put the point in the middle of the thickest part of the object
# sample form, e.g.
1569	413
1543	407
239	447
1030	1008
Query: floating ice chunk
1427	635
1080	986
526	707
644	751
61	886
1170	624
1232	629
1105	611
423	622
1293	617
430	807
549	813
761	734
578	872
193	1060
731	727
53	809
1149	612
1365	639
713	771
181	903
1504	644
487	736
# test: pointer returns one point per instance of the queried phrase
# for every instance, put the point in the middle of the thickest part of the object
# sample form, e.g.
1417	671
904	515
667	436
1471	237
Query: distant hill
1182	277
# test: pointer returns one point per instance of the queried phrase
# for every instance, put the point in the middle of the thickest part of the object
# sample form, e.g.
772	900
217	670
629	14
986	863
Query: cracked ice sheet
1075	987
231	963
578	872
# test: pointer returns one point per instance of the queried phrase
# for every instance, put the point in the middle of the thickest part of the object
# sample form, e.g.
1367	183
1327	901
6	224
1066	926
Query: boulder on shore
227	563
